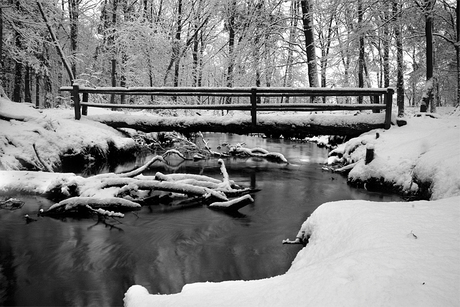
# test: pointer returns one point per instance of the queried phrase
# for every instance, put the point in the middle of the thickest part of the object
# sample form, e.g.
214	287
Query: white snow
52	131
426	150
359	254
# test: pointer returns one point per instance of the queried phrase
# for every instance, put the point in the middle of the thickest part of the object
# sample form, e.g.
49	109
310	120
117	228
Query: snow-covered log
162	186
258	152
103	212
182	176
75	203
226	179
234	204
141	169
345	168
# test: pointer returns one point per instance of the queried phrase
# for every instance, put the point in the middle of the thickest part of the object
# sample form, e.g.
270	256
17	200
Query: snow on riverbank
421	158
31	138
360	254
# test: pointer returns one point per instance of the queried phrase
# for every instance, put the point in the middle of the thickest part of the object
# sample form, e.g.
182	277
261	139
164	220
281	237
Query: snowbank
360	254
34	139
421	159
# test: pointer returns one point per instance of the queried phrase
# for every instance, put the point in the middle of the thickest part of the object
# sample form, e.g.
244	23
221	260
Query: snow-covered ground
37	137
359	253
422	157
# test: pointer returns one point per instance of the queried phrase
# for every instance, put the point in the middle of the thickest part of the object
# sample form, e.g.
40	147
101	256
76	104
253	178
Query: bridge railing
81	104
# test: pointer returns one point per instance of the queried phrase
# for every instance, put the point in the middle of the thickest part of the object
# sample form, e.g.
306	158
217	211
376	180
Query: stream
82	262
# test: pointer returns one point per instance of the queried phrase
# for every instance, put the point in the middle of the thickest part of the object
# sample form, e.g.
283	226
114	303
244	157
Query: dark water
80	262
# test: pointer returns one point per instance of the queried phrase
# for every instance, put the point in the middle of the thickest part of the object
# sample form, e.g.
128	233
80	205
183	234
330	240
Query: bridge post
254	106
84	109
76	100
376	101
388	100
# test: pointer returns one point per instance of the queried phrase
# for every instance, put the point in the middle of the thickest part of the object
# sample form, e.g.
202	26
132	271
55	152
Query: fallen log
182	176
258	152
76	203
162	186
234	204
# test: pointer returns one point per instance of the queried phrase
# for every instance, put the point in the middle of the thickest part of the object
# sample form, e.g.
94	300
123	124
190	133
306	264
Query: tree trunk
74	15
288	76
196	49
308	29
56	42
400	58
457	51
428	96
177	44
37	90
231	46
325	47
386	48
2	74
17	89
17	97
27	94
361	48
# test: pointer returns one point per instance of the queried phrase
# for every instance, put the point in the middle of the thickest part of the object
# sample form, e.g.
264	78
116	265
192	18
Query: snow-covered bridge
288	119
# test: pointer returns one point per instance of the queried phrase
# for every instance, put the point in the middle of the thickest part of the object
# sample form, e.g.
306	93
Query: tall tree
361	58
428	96
18	75
231	28
396	11
308	30
74	11
325	36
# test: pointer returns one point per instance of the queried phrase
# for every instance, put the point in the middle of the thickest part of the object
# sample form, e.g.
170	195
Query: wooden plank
244	107
218	91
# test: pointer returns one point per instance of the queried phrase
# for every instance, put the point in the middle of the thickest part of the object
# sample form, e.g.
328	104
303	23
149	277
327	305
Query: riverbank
44	140
419	160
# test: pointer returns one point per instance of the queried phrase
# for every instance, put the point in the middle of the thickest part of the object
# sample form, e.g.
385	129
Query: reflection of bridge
271	124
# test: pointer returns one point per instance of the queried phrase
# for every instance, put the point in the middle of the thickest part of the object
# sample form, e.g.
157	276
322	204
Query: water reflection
80	262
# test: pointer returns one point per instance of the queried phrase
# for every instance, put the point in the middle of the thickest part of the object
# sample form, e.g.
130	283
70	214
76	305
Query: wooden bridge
258	121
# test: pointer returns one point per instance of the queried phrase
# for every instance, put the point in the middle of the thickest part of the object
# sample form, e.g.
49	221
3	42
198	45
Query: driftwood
127	191
258	152
301	238
233	204
75	203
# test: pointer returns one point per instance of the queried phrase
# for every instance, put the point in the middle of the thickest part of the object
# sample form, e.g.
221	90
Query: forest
411	45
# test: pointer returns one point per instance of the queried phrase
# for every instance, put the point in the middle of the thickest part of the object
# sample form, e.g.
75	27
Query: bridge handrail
307	91
252	92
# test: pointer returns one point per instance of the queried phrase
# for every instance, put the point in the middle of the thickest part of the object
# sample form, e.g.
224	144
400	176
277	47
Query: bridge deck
257	122
288	125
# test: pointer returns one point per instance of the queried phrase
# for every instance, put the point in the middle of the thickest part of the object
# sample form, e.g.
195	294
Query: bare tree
308	30
396	11
428	95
